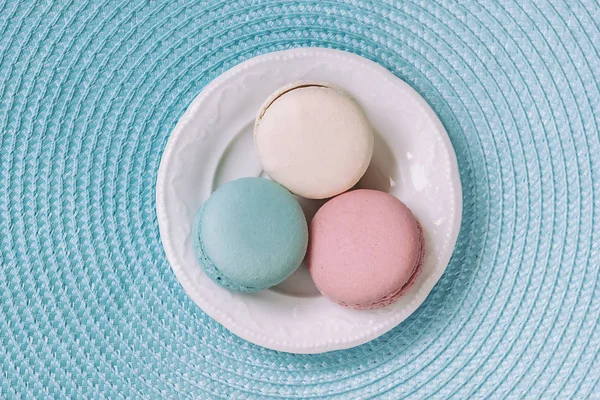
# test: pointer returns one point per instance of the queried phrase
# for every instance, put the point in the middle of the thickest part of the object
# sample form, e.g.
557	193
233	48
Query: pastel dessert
314	139
250	234
365	249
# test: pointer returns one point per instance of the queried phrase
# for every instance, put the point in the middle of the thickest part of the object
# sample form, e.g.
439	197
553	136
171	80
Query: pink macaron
365	249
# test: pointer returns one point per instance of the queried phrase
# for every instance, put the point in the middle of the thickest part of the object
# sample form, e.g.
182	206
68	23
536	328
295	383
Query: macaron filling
286	90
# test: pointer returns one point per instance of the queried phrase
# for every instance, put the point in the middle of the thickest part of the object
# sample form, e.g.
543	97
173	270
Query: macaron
314	139
365	249
250	234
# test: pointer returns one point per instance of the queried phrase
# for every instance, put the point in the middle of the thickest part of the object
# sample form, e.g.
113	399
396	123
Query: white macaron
314	139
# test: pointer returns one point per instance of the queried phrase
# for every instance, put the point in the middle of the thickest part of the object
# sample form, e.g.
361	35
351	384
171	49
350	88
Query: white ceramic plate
212	144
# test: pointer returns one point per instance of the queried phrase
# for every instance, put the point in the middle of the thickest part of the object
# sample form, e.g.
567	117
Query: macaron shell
393	297
251	234
209	268
365	249
315	140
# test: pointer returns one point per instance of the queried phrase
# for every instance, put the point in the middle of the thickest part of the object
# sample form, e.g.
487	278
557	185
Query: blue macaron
250	234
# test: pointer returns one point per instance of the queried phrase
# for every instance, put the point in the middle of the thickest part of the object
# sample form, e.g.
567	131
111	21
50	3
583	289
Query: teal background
89	92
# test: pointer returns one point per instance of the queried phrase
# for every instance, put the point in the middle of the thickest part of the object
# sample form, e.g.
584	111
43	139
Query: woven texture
89	92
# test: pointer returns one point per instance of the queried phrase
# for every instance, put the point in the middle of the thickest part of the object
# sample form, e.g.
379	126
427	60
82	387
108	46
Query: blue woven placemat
89	92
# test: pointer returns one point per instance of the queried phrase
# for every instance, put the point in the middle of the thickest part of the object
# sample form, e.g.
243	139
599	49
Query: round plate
212	144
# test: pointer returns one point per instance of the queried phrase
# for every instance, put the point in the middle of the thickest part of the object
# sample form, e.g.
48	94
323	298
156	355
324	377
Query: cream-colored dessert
314	139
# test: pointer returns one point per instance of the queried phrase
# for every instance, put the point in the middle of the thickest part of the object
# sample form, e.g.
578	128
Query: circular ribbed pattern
89	92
